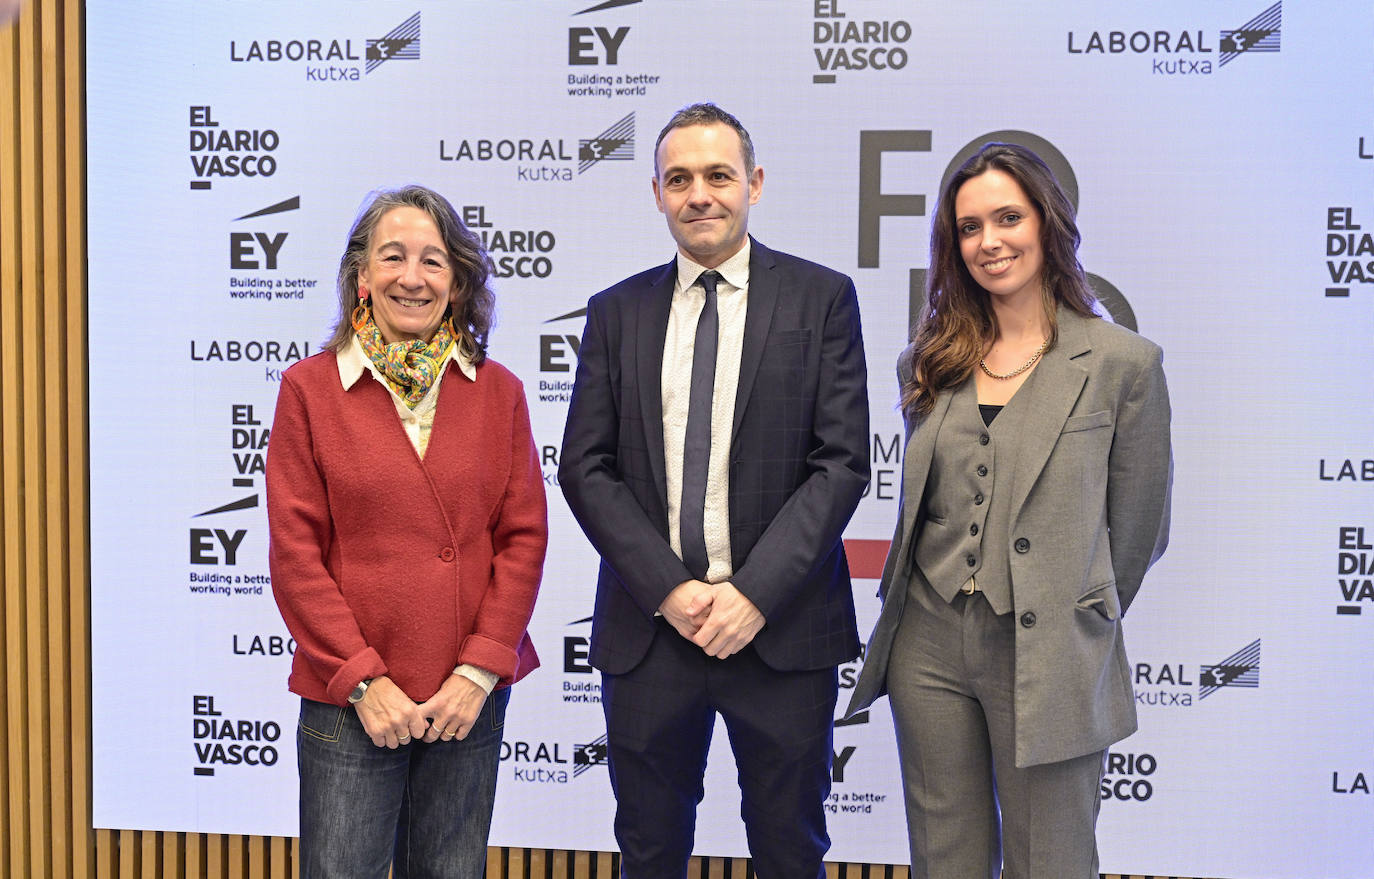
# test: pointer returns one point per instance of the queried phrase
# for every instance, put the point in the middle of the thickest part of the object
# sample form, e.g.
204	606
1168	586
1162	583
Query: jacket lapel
1055	386
651	331
920	450
763	295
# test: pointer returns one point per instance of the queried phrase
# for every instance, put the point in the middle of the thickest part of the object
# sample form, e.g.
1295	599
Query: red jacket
386	564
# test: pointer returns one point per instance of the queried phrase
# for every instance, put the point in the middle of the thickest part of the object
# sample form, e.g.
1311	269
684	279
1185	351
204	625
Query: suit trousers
971	812
659	720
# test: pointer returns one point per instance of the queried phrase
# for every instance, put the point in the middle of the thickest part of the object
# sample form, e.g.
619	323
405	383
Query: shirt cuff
479	676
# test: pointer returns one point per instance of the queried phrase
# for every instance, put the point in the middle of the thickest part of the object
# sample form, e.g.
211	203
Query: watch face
358	691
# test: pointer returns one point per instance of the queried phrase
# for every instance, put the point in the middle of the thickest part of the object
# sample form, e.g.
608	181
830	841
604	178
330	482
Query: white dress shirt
689	297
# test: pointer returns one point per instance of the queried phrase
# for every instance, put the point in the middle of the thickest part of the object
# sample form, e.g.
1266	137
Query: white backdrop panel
1224	194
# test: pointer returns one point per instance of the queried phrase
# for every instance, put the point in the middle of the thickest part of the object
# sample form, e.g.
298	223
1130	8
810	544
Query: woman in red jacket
408	530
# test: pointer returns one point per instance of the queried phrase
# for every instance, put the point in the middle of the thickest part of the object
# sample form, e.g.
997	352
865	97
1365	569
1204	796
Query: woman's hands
390	719
453	710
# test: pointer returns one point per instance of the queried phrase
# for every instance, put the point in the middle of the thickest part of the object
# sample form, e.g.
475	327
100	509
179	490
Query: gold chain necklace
1014	373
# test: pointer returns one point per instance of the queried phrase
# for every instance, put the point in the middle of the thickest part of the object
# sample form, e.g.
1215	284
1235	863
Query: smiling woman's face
999	235
408	275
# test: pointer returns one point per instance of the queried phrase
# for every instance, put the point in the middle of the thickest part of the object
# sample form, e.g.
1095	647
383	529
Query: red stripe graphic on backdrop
866	558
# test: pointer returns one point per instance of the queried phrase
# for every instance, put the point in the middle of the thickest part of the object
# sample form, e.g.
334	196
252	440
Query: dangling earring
453	330
362	313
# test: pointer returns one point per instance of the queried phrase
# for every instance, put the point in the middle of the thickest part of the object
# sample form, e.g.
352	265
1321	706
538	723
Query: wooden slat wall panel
45	781
11	813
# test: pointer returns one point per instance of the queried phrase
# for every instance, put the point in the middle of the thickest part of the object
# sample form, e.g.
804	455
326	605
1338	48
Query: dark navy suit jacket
798	460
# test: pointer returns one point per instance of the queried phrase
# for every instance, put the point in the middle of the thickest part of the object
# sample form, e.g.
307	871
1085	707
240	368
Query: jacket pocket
1087	422
786	355
1102	599
790	337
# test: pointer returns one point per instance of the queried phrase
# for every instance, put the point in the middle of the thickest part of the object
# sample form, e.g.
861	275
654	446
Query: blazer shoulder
812	272
1114	340
632	286
313	369
500	376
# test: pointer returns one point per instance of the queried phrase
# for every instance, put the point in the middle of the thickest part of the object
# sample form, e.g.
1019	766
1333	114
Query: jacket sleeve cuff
490	654
479	676
362	666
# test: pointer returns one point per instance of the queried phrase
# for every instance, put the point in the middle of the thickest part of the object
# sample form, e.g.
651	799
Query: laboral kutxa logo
1173	684
333	58
1183	51
548	762
547	159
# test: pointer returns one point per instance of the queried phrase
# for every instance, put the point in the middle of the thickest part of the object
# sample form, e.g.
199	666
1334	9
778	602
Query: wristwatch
359	691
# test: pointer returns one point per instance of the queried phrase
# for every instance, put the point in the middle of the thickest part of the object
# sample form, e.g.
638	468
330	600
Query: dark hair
708	114
474	311
957	323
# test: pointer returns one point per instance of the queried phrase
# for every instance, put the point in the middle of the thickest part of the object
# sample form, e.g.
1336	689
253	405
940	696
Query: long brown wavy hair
957	325
475	309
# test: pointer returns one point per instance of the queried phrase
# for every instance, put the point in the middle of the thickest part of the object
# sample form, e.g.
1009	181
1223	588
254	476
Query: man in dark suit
716	446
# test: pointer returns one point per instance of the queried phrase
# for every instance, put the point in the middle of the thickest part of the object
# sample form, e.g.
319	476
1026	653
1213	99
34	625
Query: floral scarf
410	367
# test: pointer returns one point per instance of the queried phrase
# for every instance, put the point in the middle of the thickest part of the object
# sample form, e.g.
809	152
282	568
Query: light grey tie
696	452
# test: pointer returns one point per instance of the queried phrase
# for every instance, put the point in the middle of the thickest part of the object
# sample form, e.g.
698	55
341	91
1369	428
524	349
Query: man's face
703	190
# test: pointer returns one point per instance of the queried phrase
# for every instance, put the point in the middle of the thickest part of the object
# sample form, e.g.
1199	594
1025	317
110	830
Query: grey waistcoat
967	502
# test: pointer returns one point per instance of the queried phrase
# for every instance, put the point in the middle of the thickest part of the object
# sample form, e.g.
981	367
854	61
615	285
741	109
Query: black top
988	412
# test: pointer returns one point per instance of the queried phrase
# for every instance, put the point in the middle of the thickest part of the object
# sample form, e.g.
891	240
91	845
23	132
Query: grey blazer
1090	514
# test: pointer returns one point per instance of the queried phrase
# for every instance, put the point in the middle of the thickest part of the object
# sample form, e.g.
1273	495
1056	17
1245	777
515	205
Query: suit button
1022	544
978	498
973	529
1027	619
984	439
446	553
971	559
982	470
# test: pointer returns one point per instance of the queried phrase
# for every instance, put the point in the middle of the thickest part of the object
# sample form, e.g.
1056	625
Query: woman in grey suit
1035	495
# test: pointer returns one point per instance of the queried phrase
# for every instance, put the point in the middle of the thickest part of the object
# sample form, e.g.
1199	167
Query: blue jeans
427	806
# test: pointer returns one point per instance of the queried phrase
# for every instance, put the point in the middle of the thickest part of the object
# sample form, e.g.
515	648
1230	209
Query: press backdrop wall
1220	156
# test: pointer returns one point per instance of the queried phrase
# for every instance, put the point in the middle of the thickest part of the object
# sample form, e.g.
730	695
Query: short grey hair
706	113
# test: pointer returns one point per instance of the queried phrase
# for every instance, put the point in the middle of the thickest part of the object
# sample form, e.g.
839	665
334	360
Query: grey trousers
951	678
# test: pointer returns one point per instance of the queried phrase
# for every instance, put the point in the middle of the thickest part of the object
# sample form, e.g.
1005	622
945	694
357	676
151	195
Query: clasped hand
391	719
718	618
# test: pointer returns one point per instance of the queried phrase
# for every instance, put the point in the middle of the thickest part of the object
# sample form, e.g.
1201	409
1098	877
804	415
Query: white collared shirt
418	422
689	297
